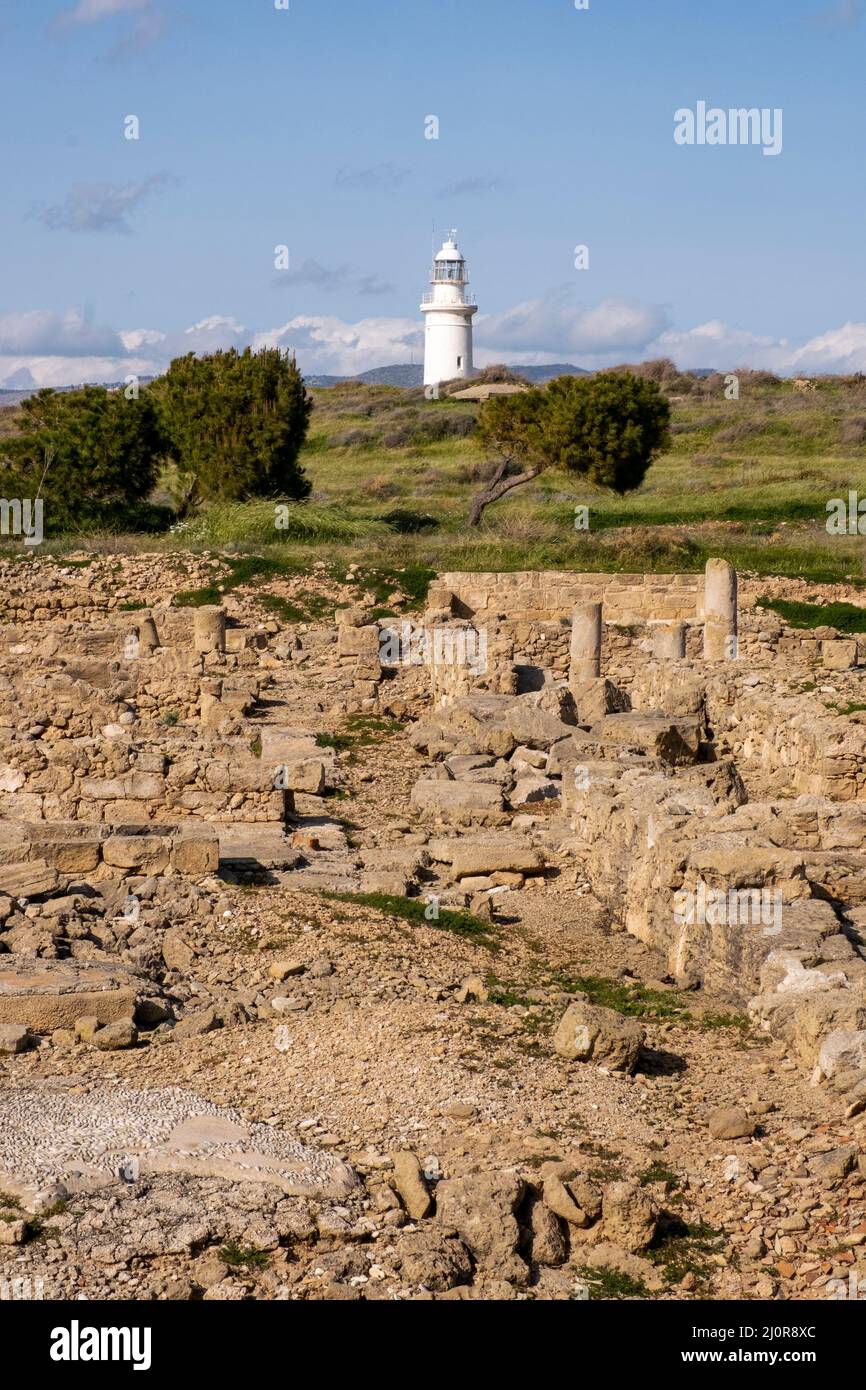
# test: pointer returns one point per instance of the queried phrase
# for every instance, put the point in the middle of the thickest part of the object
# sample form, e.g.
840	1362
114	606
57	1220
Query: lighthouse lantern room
448	310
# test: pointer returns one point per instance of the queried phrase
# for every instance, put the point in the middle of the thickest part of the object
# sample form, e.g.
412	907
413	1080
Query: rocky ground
491	1154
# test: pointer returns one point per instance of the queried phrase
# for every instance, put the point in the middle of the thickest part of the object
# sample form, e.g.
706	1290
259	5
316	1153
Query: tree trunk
497	487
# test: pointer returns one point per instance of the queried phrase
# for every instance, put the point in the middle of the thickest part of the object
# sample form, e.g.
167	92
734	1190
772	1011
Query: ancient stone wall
43	857
118	782
551	595
534	609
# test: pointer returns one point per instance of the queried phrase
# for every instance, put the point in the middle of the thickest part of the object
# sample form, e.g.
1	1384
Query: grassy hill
750	478
393	476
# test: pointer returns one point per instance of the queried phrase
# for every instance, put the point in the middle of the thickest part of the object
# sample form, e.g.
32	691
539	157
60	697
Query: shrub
377	486
497	373
853	431
429	429
236	423
351	439
92	454
606	428
742	430
408	522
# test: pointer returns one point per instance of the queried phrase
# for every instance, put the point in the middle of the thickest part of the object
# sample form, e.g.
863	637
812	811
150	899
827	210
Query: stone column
585	644
669	642
209	629
720	611
147	634
211	709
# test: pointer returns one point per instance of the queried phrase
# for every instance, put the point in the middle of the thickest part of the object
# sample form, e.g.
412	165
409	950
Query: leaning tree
606	428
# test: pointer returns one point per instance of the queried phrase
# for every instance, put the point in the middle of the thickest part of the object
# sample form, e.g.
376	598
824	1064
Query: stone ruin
669	738
660	738
661	747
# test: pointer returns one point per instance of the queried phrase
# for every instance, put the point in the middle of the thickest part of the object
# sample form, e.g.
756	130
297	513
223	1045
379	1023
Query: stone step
48	994
251	846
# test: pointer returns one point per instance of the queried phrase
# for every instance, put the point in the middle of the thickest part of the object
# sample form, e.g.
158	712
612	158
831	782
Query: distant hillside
14	397
408	374
405	374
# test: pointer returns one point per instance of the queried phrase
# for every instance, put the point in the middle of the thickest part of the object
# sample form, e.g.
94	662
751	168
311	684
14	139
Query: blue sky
305	127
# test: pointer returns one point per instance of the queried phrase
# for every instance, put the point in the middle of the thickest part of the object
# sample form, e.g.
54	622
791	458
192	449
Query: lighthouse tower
448	312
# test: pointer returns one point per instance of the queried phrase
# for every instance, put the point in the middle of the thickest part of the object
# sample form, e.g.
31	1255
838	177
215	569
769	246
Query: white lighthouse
448	312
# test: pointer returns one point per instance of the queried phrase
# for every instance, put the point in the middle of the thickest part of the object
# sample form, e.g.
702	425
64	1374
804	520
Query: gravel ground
48	1134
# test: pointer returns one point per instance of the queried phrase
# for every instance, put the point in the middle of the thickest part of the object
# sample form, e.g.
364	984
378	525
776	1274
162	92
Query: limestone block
482	857
195	855
147	853
358	641
209	629
839	655
73	856
674	741
303	775
455	797
587	1032
598	697
30	879
45	994
669	641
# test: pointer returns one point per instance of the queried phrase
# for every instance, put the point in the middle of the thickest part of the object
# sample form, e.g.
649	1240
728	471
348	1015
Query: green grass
636	1001
659	1172
499	992
309	608
236	1255
845	617
362	731
747	479
243	570
754	474
461	923
611	1284
410	580
254	524
738	1021
683	1250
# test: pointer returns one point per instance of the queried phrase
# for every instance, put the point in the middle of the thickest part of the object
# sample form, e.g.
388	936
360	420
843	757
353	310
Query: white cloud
558	324
134	338
99	207
61	350
714	344
328	345
92	11
841	14
147	22
43	333
210	334
838	350
72	371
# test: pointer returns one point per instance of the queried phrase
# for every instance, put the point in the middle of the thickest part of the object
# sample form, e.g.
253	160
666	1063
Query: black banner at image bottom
80	1339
